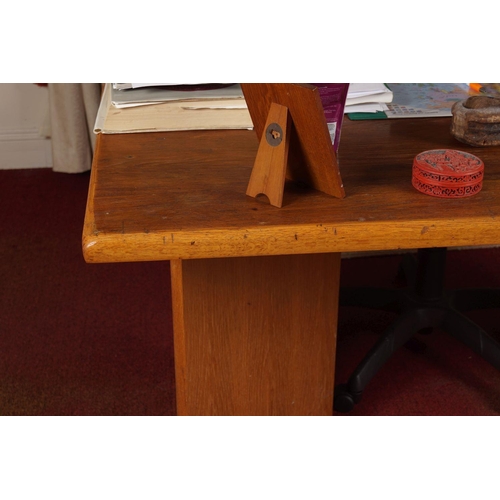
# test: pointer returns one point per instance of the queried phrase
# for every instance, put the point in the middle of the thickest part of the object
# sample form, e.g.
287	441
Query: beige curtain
73	109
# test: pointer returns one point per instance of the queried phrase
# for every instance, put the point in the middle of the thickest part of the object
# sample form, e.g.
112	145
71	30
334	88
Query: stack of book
129	108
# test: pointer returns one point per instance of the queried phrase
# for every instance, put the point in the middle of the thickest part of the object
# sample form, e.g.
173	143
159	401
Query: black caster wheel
343	400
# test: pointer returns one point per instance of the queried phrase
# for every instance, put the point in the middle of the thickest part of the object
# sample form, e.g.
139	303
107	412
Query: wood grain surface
163	196
255	336
255	287
312	159
269	170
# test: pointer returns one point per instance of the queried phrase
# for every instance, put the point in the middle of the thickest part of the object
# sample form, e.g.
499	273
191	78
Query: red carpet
80	339
75	339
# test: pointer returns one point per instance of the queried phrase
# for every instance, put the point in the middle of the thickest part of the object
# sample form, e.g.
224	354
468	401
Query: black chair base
423	305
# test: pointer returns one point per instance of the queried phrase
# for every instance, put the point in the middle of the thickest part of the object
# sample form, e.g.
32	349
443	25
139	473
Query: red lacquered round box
447	173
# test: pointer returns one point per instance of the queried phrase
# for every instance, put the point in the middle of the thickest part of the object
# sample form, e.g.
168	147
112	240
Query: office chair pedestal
423	305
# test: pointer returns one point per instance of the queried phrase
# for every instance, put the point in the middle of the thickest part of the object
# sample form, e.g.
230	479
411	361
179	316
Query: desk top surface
162	196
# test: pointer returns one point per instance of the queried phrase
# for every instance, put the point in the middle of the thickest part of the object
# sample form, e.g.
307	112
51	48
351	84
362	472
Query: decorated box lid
447	173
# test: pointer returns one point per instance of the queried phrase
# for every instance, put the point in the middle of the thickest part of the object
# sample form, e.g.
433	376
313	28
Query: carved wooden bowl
476	121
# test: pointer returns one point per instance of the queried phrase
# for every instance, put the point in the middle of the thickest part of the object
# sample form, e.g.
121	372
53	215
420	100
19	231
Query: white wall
24	126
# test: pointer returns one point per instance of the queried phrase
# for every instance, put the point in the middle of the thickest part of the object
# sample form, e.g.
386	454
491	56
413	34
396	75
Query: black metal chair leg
399	333
408	269
472	335
424	305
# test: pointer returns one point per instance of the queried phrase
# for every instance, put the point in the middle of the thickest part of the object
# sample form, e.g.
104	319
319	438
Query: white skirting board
24	149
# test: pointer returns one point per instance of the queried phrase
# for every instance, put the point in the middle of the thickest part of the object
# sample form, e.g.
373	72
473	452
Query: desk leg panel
255	335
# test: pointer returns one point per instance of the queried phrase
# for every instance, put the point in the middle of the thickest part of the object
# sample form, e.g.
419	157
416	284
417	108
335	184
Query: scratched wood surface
162	196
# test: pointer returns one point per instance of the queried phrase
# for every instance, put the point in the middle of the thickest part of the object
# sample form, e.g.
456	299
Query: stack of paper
367	97
159	109
143	94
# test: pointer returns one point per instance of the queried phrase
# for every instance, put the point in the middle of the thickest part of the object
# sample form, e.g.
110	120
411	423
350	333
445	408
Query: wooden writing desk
255	288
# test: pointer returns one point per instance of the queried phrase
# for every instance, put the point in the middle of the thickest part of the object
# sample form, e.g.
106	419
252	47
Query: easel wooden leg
255	335
269	171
